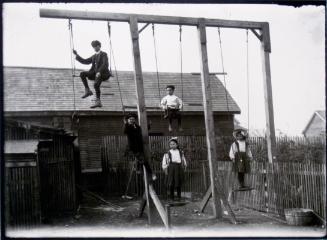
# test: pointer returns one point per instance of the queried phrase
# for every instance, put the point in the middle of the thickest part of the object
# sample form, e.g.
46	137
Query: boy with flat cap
98	72
135	142
172	104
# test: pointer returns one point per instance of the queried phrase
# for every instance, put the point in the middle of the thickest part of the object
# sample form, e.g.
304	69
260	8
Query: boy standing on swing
99	71
241	156
135	143
174	165
172	104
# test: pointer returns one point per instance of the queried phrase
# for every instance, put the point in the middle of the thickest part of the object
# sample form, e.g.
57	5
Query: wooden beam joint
134	29
265	33
203	37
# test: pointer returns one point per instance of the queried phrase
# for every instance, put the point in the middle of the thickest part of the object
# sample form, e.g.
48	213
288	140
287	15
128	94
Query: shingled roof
28	89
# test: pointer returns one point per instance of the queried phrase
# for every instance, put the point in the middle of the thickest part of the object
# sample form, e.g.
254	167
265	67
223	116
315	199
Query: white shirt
241	144
171	101
175	157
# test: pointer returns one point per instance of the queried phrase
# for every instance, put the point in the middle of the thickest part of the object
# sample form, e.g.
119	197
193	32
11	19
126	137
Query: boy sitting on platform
135	143
241	156
172	104
99	71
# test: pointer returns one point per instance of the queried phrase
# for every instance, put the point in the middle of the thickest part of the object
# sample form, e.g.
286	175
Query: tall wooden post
140	101
270	124
208	116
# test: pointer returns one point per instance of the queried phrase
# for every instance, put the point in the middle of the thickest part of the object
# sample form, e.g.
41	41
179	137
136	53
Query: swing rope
156	60
247	76
72	60
114	62
223	69
181	62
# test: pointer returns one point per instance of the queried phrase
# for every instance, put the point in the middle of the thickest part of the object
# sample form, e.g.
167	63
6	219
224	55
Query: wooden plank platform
243	189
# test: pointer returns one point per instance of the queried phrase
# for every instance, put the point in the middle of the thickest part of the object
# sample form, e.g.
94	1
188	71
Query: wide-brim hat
244	132
174	139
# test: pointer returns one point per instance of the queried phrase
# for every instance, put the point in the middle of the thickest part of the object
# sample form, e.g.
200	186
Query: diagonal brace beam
259	36
144	27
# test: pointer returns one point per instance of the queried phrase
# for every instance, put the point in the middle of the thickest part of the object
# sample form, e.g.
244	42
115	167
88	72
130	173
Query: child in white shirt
174	164
172	104
241	156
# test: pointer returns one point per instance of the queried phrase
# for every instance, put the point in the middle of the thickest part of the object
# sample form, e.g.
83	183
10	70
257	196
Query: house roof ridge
51	89
79	69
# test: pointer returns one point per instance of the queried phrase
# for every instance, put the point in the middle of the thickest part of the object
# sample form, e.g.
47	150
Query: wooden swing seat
243	189
177	203
135	107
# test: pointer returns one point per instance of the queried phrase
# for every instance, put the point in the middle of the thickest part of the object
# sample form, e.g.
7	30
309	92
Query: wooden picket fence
297	185
276	186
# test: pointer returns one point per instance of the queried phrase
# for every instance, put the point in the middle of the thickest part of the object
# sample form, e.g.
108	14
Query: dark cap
171	86
129	115
95	43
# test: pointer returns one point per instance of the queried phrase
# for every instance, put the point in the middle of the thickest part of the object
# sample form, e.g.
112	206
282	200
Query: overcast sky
297	58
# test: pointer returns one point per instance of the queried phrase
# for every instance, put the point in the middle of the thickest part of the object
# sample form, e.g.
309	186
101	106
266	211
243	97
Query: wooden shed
22	191
40	174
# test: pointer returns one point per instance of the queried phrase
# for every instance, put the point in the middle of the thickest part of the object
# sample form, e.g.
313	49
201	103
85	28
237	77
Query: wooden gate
56	161
22	201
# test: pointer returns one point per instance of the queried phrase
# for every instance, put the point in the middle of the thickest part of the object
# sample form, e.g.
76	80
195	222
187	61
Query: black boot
97	103
179	193
240	177
87	93
171	193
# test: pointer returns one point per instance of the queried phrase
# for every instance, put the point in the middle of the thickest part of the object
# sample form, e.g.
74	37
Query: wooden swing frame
259	29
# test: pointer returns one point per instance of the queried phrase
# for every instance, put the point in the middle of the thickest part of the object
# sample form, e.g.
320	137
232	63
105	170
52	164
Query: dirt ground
95	219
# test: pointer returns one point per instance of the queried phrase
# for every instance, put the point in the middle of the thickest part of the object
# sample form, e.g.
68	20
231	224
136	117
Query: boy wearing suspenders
241	156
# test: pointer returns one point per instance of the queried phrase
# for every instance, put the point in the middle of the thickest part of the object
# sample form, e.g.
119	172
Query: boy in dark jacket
135	142
98	72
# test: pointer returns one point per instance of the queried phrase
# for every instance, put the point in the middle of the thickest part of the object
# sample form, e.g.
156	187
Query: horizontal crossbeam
141	18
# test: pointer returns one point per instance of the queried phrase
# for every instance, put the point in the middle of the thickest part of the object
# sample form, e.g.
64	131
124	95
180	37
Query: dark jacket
134	136
99	63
